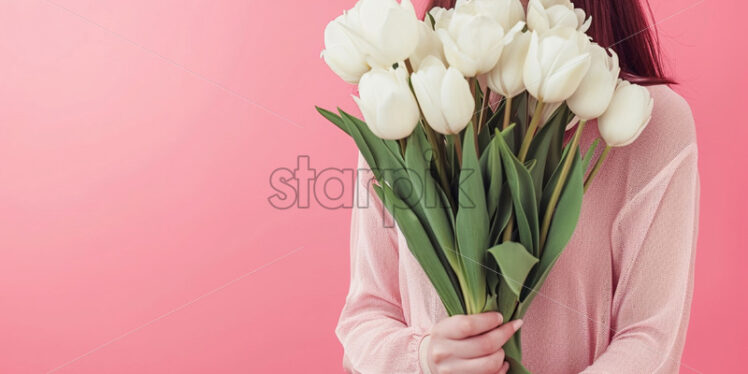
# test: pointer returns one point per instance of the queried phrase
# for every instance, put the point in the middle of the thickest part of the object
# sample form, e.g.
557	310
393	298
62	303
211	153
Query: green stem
509	227
458	147
559	186
507	116
475	88
483	109
408	66
507	113
596	168
469	302
474	92
440	160
531	131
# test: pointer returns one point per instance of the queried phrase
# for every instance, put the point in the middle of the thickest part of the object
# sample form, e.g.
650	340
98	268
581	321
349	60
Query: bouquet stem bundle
479	238
486	199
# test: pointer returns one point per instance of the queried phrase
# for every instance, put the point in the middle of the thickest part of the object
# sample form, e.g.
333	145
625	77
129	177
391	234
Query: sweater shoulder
672	125
668	141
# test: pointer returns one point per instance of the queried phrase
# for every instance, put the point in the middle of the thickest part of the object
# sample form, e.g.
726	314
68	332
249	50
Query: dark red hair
623	26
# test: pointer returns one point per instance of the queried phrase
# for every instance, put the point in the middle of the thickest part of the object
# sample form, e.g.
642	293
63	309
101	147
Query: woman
617	300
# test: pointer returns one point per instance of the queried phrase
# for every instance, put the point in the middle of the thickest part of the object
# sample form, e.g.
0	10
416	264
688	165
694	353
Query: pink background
137	139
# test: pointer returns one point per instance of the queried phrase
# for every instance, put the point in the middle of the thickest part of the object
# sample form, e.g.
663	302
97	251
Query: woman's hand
470	344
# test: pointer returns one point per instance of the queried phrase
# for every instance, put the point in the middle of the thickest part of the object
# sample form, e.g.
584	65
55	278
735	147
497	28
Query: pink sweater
617	300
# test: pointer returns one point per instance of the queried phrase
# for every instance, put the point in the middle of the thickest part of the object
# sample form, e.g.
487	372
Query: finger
487	343
463	326
491	364
504	368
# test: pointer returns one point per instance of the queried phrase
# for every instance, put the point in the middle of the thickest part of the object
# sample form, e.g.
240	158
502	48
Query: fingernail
505	366
501	318
516	324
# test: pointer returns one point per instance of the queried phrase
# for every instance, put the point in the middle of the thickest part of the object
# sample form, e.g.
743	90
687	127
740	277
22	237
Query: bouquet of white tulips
480	181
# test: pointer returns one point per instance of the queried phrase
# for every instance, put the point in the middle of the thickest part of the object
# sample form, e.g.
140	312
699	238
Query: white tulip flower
342	54
444	95
556	63
473	39
428	45
506	78
441	16
507	12
627	116
596	90
544	15
385	31
387	103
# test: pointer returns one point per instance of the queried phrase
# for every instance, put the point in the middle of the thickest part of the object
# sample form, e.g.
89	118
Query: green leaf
484	137
389	169
391	145
513	354
510	135
567	212
422	249
332	117
497	117
556	147
590	152
493	177
520	184
376	153
506	301
548	189
432	21
478	94
447	207
388	165
452	160
562	228
522	114
515	263
472	225
503	213
491	303
492	282
530	165
418	162
539	149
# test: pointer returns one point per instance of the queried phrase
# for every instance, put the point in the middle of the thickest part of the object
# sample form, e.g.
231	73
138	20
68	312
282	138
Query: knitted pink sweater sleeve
372	328
655	237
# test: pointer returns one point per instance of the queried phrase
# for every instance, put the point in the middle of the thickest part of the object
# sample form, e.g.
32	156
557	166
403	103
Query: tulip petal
628	114
507	76
370	117
533	74
565	81
457	100
560	16
584	25
537	20
398	35
427	84
428	45
396	117
455	56
341	54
